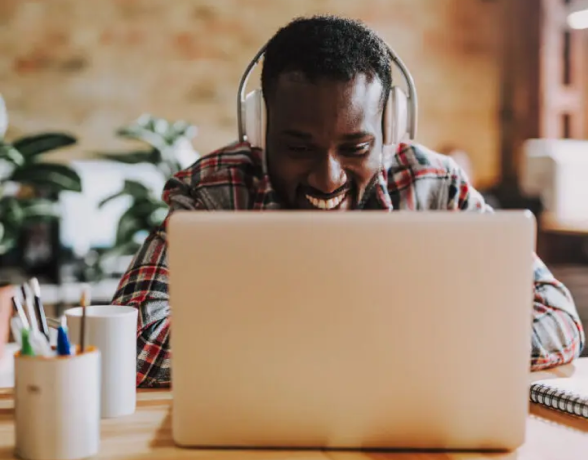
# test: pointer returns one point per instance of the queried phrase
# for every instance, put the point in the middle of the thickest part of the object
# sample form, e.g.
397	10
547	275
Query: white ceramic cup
113	330
57	406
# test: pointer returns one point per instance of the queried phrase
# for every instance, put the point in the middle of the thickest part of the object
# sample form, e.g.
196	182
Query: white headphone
400	113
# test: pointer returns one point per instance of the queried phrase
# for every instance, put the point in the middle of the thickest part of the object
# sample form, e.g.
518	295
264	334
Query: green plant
28	185
166	143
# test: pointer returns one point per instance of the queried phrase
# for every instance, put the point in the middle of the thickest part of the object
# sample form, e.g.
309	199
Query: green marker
26	349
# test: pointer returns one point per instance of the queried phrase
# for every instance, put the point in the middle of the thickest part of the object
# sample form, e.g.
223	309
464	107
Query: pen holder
57	406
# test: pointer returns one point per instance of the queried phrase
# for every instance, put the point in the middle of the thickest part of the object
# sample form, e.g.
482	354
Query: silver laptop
352	330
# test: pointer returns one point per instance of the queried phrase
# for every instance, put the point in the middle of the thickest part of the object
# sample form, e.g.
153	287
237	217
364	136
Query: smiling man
325	82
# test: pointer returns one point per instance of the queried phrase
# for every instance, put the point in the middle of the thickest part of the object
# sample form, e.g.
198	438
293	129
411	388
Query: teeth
325	204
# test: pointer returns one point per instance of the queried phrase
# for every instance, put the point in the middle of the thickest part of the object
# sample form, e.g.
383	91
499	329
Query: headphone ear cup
262	121
397	123
388	120
255	119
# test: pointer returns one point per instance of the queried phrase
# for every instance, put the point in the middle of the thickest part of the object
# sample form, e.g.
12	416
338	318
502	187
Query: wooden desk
147	435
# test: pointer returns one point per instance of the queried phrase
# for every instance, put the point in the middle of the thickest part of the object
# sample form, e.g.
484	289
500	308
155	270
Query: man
325	82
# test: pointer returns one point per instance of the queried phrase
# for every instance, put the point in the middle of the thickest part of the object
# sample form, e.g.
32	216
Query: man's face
324	140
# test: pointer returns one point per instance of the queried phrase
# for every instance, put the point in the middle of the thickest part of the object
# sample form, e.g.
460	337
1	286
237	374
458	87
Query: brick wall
90	66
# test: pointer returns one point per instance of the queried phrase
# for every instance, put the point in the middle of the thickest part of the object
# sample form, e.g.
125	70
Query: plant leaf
56	177
40	209
11	211
161	126
158	214
128	225
136	218
182	128
8	152
134	189
155	140
145	120
30	146
108	199
16	213
7	242
133	157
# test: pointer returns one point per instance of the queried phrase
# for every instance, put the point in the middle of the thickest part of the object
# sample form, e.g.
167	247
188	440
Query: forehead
296	99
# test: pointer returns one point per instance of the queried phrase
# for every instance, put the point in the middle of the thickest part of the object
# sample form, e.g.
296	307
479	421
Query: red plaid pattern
232	178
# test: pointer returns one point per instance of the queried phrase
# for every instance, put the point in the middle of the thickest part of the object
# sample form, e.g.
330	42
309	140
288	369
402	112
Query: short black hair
326	46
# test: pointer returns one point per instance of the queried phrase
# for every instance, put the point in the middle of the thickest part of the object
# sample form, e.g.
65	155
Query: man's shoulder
223	179
236	158
423	162
420	178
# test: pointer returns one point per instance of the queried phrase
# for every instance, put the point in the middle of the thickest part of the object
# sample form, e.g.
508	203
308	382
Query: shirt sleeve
557	332
145	287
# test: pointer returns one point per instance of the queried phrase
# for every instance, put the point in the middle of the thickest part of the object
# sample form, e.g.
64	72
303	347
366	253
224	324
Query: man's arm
145	287
557	334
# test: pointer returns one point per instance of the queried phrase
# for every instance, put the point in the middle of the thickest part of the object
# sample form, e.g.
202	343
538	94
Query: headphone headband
241	92
412	94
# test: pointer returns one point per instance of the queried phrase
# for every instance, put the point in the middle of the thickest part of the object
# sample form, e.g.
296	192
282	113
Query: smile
326	204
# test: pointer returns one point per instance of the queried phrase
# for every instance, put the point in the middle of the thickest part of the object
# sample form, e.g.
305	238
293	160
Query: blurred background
106	99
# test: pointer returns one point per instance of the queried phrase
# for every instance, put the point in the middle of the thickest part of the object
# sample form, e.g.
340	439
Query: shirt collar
266	198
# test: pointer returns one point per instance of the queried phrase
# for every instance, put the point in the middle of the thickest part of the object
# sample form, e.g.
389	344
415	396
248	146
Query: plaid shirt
232	178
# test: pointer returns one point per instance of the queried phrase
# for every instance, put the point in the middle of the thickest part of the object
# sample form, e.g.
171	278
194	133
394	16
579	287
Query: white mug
113	330
57	406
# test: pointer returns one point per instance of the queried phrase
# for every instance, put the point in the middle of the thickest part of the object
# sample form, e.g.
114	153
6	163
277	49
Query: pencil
30	309
84	301
20	312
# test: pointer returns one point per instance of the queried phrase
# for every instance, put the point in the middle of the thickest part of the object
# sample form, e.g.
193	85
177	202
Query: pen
29	309
63	345
40	344
20	312
16	328
53	323
26	348
84	303
40	311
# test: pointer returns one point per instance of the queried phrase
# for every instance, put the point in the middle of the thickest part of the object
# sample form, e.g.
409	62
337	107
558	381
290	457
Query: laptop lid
350	330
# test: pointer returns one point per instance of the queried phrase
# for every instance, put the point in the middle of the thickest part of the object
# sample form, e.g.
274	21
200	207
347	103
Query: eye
356	150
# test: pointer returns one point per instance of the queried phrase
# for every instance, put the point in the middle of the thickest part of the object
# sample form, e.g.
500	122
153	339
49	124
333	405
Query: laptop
356	330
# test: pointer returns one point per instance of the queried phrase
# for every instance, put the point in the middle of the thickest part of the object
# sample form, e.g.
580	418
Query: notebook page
575	385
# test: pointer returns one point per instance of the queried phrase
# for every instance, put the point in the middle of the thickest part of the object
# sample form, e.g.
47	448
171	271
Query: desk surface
147	434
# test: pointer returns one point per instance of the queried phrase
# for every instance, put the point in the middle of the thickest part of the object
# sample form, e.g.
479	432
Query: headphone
399	119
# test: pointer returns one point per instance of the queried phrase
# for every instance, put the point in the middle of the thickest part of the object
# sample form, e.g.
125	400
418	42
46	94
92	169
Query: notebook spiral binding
564	401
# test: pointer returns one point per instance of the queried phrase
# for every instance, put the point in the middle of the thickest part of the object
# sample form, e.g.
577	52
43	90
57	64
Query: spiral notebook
568	395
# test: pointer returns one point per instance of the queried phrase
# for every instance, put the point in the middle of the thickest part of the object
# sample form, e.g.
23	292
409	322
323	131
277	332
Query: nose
327	176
